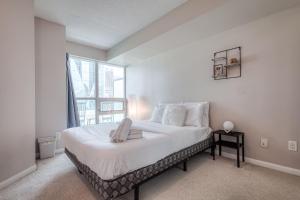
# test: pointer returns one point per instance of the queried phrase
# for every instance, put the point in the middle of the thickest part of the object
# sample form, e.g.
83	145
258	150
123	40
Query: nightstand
235	145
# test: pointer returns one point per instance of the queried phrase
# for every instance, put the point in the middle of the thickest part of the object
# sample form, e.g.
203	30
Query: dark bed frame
111	189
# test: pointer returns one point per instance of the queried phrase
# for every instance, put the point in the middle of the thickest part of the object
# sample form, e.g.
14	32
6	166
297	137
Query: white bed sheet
92	146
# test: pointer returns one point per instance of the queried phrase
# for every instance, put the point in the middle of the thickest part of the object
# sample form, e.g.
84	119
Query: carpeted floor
58	179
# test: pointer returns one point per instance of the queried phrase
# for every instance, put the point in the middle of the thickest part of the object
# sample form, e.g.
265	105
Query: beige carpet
58	179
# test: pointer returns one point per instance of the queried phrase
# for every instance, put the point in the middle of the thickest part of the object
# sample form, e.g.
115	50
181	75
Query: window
99	89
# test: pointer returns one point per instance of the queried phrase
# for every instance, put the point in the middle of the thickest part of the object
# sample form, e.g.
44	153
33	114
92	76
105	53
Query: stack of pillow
183	114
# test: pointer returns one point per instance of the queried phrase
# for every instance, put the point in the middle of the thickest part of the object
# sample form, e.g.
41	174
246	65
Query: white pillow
192	114
157	113
205	117
197	114
174	115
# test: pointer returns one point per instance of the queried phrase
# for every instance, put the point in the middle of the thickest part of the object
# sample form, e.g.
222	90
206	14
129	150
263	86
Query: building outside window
99	89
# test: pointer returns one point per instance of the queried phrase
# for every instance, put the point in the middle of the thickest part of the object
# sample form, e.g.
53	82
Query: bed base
111	189
137	187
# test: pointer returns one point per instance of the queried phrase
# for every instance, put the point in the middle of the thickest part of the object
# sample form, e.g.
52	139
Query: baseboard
265	164
17	177
57	151
61	150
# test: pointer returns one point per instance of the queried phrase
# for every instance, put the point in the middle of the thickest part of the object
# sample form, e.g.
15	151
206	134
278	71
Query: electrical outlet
292	145
264	142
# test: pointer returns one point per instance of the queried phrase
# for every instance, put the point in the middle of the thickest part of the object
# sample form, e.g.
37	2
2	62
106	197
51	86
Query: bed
114	169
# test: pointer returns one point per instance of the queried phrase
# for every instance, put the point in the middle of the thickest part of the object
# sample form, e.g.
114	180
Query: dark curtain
73	118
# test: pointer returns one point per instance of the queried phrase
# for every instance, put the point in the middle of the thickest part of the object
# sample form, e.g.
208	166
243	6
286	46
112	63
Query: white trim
60	150
277	167
265	164
57	151
95	60
17	177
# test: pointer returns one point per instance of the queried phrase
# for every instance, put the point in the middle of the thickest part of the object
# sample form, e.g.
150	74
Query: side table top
231	133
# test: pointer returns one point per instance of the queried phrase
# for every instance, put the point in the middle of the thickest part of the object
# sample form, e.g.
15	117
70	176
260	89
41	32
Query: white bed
92	146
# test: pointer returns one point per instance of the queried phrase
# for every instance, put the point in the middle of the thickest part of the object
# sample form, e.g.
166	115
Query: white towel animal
121	134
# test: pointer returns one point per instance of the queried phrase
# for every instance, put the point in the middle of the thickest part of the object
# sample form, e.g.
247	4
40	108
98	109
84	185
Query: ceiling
103	23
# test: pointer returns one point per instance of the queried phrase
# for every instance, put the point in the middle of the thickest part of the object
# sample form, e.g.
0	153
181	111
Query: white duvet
92	146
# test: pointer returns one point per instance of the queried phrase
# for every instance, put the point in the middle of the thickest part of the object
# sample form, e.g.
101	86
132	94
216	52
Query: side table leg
238	152
213	147
243	148
220	146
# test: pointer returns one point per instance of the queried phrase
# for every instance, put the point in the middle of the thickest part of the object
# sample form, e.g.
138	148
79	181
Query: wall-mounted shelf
218	59
233	65
227	64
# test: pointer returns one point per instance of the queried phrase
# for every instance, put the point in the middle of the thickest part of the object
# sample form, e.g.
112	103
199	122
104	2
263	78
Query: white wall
85	51
265	101
17	87
208	18
51	105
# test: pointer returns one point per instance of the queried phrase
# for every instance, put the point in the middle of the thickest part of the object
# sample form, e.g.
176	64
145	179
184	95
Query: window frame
98	99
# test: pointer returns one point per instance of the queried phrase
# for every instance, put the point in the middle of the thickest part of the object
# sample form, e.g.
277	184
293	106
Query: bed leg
137	192
185	165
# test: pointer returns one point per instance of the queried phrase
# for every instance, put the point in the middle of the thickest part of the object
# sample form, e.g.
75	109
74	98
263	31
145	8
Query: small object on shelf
234	145
228	126
227	64
233	61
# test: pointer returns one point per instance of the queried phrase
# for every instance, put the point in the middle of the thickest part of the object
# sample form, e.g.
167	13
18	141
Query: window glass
98	102
107	106
87	112
83	77
111	81
111	118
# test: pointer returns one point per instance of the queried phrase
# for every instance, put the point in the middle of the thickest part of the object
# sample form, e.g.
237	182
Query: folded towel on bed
122	132
134	131
135	134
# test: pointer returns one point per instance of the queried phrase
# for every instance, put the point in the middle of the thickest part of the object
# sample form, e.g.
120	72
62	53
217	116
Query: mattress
92	146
